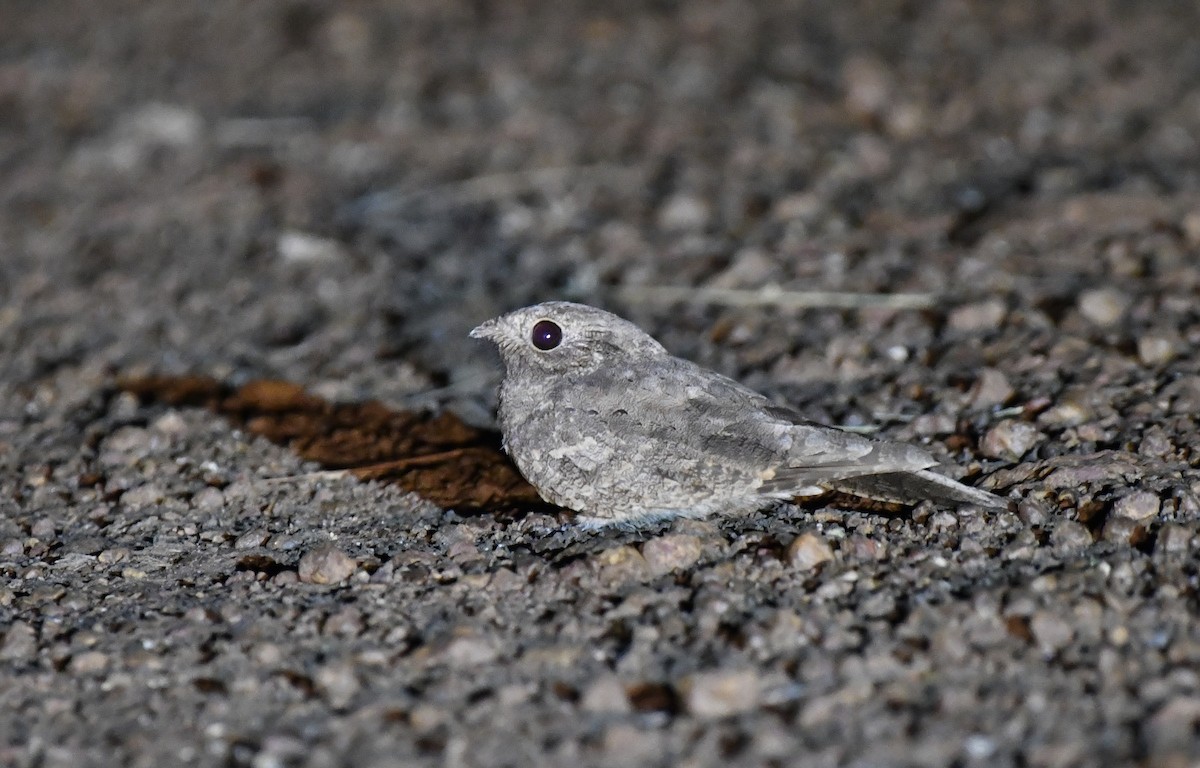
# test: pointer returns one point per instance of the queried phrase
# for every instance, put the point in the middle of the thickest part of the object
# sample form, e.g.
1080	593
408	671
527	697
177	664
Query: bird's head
562	337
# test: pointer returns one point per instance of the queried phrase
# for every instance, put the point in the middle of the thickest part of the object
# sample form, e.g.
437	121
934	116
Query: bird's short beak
484	331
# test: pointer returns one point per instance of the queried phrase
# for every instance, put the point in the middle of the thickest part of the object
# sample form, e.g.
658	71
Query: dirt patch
436	456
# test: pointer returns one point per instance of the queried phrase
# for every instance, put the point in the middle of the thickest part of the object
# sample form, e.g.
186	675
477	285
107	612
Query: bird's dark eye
546	335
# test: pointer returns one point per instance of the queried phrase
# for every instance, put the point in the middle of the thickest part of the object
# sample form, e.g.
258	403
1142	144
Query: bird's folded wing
717	418
820	455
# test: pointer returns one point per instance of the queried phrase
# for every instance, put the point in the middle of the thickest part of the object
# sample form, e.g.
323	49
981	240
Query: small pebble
201	616
208	498
461	546
1033	512
868	86
991	389
1173	538
1069	535
146	495
943	520
1010	440
809	551
1171	731
158	124
878	606
1191	228
348	622
86	545
502	580
470	651
682	213
114	555
1103	306
623	562
672	552
1156	442
303	248
1188	506
427	717
251	539
326	565
626	744
1066	414
338	683
979	747
864	548
933	424
1138	506
170	423
128	440
721	694
88	663
1051	631
979	317
20	642
1156	350
43	529
1121	530
605	695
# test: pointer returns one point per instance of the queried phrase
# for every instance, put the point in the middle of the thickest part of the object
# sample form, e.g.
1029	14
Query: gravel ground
333	194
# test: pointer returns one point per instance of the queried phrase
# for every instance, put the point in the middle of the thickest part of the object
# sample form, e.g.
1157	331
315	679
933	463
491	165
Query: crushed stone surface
332	195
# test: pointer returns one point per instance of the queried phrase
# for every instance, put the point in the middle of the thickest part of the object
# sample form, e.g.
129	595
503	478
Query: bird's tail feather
918	486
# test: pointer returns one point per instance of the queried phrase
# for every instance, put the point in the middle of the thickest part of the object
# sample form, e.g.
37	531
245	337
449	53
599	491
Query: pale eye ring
546	335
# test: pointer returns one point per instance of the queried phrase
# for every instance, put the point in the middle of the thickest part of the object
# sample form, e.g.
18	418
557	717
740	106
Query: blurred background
335	192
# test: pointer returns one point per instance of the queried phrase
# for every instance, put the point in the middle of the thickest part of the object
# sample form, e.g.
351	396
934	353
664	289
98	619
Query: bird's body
602	420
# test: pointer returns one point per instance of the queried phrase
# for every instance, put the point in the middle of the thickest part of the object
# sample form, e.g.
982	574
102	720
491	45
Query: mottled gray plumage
607	423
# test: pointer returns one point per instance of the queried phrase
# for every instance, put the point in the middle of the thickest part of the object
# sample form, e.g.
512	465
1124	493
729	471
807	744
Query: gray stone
1138	506
809	551
1010	440
326	565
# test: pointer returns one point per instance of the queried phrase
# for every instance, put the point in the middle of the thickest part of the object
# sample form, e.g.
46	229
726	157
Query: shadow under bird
600	419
